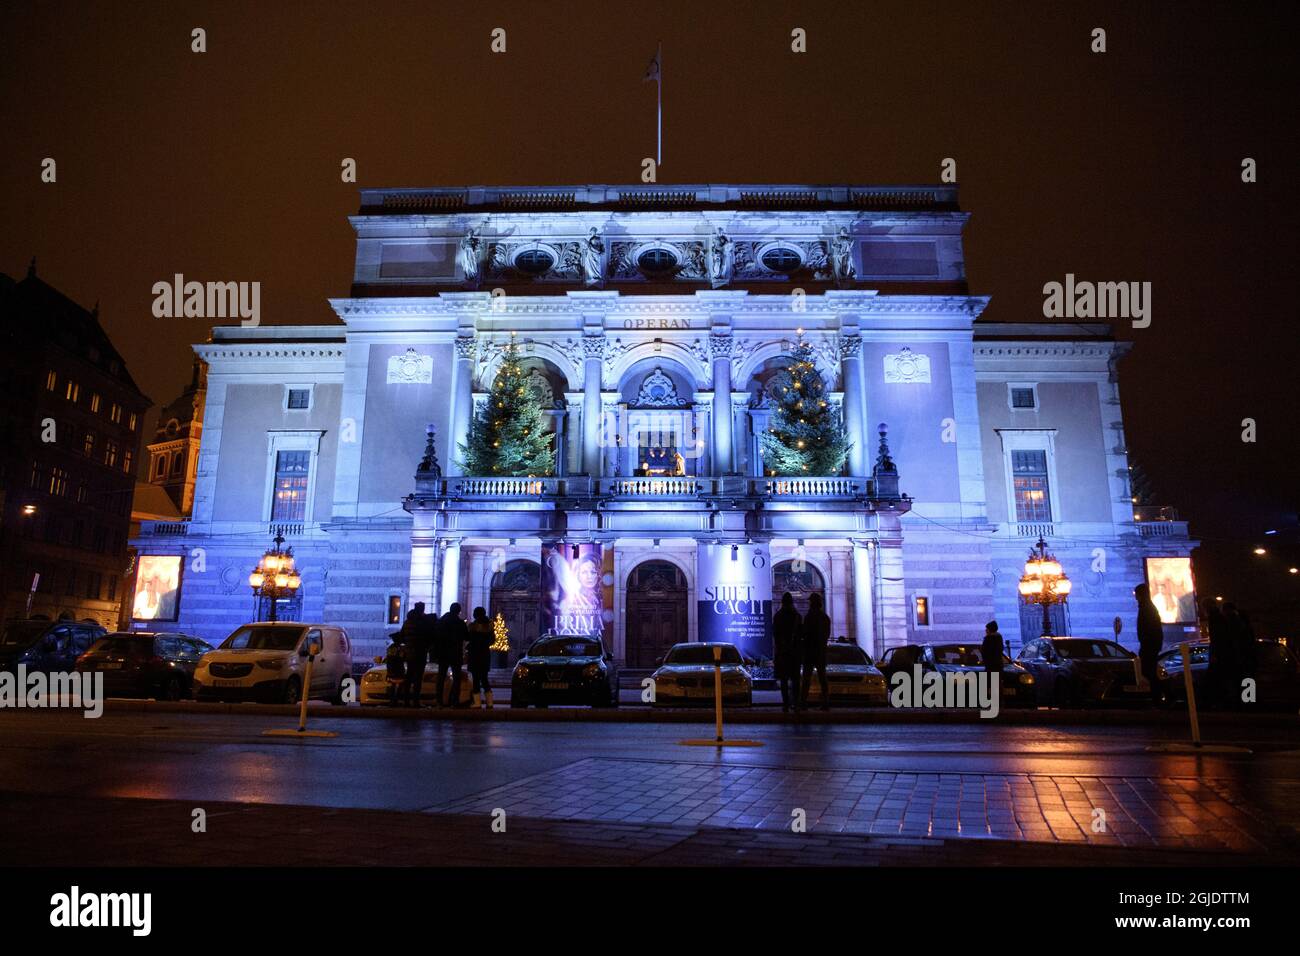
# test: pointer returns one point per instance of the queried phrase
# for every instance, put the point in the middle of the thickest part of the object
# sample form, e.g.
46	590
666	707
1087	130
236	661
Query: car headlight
591	670
521	671
375	677
663	678
274	664
1026	678
1161	672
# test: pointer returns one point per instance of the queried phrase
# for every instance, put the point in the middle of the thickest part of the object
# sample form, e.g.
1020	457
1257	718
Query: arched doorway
516	595
801	584
656	612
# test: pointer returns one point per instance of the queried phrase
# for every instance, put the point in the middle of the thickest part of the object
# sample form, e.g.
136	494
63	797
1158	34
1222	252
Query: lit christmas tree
500	636
804	436
508	435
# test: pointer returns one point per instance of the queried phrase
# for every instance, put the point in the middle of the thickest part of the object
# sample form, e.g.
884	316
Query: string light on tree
804	436
500	635
508	437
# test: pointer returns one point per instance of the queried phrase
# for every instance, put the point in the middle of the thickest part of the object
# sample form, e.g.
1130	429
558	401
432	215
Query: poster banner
157	588
735	597
1172	590
574	590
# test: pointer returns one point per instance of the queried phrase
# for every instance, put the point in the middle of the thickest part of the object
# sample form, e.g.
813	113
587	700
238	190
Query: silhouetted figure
1242	639
991	648
1222	656
480	656
450	644
1151	637
786	659
816	631
418	632
395	662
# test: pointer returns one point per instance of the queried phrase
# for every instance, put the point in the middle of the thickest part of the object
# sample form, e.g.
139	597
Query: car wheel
292	690
174	689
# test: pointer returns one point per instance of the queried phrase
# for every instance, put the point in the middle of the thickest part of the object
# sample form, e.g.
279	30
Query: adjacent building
69	447
651	319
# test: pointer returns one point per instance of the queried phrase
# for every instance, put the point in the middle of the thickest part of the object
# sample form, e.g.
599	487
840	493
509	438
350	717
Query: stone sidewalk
1165	812
57	831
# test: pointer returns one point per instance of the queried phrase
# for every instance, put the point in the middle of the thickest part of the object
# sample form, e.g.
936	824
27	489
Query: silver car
686	676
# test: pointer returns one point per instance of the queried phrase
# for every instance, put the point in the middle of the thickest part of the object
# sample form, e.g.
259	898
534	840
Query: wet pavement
949	785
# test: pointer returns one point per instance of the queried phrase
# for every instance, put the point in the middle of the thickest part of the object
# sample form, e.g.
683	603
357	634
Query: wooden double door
656	612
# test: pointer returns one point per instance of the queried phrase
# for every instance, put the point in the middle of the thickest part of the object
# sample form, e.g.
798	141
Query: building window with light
51	380
1030	485
72	392
921	607
94	402
289	497
115	413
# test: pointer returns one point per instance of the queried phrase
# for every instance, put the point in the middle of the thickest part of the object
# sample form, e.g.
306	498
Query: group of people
451	644
1232	652
800	649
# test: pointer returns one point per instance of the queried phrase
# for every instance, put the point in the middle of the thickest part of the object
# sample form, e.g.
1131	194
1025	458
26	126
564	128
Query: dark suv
51	647
145	664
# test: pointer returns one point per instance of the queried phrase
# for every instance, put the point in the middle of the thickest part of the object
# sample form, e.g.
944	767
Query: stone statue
722	259
842	257
593	255
469	257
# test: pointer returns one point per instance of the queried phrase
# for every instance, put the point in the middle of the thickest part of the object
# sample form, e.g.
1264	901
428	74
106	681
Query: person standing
1241	639
816	631
480	656
450	644
1151	637
1221	654
786	658
417	633
395	663
991	648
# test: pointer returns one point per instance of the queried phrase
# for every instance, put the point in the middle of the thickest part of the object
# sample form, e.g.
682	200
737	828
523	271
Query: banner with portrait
1172	590
574	590
157	588
734	601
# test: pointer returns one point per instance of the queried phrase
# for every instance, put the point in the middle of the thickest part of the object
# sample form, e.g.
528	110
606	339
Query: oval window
782	259
534	262
657	261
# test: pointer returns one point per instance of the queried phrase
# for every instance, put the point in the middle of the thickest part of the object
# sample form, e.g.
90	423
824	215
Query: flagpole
659	118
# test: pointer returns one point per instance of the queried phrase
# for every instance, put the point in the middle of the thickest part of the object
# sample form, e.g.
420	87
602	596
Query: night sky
1123	166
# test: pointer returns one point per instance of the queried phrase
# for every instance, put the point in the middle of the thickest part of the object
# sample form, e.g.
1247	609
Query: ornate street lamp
1044	583
275	576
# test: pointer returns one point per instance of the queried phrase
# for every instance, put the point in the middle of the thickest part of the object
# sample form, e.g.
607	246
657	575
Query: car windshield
125	646
959	654
1079	650
1200	655
22	633
701	654
264	637
565	647
845	654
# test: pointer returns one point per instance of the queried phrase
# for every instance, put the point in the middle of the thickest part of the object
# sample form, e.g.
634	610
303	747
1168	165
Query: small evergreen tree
804	436
1140	485
508	436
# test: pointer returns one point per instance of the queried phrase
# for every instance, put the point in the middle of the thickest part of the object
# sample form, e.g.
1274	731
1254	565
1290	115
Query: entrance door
802	581
516	595
656	612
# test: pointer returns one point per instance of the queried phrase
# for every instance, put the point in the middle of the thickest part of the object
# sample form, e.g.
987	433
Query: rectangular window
88	446
115	413
112	587
289	496
94	402
1023	397
177	460
1029	474
72	392
70	588
58	481
110	454
160	466
51	380
922	611
126	461
93	581
299	398
130	422
394	609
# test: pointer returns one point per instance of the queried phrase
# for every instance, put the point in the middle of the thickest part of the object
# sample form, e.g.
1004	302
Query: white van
266	662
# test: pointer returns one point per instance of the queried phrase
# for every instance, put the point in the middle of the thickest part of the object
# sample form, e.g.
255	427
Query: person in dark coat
1242	638
418	634
395	662
1222	656
991	648
480	656
815	632
1151	637
786	624
450	645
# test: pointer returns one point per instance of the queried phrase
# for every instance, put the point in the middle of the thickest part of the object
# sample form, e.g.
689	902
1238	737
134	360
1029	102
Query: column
424	553
593	355
462	400
854	403
720	349
864	624
451	578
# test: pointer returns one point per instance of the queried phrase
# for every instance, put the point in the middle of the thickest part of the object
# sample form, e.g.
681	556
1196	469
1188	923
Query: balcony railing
1162	529
822	488
667	486
650	488
1034	529
161	529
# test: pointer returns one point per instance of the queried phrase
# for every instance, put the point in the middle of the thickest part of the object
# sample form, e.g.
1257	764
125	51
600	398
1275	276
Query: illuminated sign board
1172	590
157	588
574	590
735	597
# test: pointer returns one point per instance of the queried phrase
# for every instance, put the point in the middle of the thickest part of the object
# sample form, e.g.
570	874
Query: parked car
1018	685
686	676
47	646
1070	671
145	664
1277	680
374	686
850	677
266	662
565	670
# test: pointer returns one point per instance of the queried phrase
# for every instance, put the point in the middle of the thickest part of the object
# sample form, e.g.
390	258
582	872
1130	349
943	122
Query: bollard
717	692
306	692
1186	651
